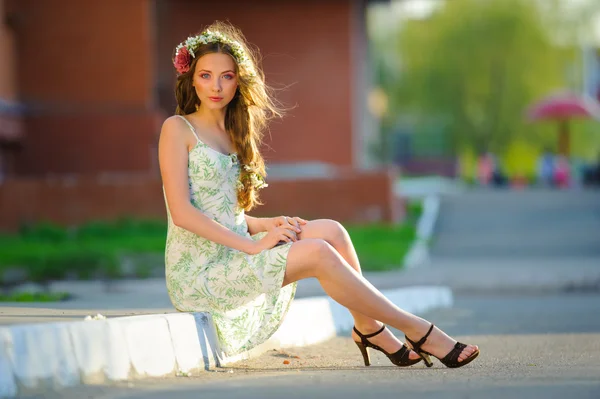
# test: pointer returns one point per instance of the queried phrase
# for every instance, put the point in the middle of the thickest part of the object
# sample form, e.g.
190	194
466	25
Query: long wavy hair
247	115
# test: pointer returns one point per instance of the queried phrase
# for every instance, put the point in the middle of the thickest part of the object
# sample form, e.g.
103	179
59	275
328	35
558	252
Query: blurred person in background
577	171
591	173
241	269
562	172
498	176
485	168
545	169
597	170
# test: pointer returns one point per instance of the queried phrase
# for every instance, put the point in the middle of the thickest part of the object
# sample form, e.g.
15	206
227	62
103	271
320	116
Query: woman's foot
385	340
439	343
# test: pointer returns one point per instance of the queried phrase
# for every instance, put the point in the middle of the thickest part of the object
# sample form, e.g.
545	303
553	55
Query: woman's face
215	80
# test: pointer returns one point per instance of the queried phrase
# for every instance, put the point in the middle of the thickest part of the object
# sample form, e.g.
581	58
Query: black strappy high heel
450	360
399	358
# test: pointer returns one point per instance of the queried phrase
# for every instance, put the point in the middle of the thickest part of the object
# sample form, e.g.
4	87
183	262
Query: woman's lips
215	99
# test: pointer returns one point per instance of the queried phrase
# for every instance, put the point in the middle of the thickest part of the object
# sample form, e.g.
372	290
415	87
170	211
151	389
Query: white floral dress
242	292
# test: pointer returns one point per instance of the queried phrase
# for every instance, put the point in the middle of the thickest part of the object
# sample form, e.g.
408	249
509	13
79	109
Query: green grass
381	247
414	210
35	297
47	252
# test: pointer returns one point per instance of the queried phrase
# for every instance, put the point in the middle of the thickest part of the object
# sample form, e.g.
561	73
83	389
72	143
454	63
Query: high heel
399	358
450	360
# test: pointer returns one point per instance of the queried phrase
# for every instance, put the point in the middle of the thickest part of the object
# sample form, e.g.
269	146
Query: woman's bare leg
316	258
337	236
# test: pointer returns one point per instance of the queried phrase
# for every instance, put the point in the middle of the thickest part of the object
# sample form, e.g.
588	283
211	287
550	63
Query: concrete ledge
8	384
418	254
37	357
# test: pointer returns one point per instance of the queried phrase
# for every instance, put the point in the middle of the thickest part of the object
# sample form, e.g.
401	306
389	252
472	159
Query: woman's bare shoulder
174	128
173	123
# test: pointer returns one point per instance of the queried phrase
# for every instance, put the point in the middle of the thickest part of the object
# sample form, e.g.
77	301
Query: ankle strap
422	340
368	335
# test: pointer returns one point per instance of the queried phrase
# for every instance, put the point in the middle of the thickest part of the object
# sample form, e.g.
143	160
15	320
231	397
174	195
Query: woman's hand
281	228
285	221
274	237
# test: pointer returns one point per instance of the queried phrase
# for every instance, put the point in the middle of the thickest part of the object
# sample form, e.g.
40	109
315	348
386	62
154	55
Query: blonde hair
247	115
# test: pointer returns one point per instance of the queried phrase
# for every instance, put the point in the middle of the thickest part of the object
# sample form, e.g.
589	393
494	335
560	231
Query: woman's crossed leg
325	251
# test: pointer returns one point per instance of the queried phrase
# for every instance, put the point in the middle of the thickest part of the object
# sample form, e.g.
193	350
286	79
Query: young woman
241	269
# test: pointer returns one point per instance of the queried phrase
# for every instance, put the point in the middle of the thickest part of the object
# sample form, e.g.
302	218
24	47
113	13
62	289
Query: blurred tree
474	66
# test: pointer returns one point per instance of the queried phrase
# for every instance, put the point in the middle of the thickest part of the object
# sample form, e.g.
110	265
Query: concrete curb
50	356
418	254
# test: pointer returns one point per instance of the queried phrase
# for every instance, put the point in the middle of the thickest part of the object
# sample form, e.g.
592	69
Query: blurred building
10	123
85	86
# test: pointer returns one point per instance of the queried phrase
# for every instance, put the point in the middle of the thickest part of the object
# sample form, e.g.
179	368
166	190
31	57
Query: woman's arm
173	159
255	225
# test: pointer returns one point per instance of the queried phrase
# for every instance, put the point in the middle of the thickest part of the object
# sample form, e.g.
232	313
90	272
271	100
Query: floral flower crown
185	52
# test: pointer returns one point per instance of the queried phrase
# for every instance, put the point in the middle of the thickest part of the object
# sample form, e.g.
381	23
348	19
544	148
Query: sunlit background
459	78
386	99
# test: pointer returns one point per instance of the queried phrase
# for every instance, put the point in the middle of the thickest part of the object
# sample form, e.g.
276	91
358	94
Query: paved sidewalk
475	275
491	276
136	297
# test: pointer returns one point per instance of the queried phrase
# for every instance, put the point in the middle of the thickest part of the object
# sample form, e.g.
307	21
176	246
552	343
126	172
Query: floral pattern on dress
242	292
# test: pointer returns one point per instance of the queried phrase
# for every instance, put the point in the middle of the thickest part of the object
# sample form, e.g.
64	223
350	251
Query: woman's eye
228	77
205	76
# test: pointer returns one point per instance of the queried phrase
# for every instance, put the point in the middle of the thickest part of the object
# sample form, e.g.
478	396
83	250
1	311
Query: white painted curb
418	254
36	357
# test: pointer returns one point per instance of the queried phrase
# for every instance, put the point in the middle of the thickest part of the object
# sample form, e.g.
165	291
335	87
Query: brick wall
113	58
86	143
8	89
306	46
11	127
349	197
71	201
73	54
86	79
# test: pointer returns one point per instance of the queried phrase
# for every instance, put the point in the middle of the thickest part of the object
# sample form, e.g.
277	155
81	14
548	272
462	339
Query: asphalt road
532	344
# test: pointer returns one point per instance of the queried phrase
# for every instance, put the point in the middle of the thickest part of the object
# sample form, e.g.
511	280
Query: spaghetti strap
190	126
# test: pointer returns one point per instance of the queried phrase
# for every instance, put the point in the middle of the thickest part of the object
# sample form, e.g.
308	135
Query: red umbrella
561	108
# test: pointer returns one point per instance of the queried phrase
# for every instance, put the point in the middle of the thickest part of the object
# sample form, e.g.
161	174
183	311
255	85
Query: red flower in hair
182	60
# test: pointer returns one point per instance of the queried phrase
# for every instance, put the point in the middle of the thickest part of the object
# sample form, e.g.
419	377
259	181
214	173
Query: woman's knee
327	229
335	233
